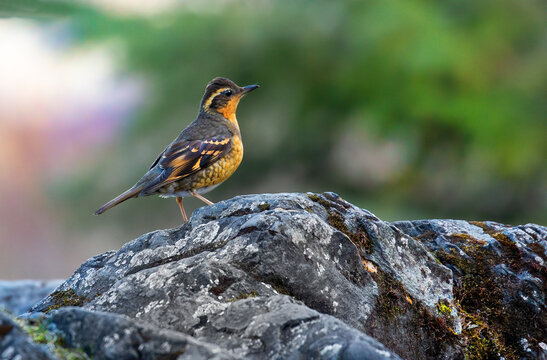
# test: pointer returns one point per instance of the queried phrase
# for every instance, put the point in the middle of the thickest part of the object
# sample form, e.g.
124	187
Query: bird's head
222	97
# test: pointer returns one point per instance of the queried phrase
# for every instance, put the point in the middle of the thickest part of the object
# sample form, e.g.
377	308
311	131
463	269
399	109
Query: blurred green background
410	109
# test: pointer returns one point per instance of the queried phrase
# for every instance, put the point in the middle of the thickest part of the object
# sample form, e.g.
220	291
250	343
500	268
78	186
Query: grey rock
115	337
285	330
19	296
302	245
500	278
298	276
16	345
279	327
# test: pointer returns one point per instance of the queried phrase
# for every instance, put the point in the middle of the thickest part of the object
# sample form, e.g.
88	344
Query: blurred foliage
459	86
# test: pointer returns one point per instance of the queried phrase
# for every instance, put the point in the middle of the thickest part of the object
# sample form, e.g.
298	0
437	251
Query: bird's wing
184	158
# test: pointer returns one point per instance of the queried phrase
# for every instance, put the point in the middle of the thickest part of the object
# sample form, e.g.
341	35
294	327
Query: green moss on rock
463	237
396	308
318	199
443	308
64	298
393	299
337	221
38	332
264	207
493	326
359	237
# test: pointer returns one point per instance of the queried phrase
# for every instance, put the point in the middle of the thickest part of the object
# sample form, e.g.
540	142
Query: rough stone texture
19	296
285	330
500	282
16	345
113	337
298	276
316	249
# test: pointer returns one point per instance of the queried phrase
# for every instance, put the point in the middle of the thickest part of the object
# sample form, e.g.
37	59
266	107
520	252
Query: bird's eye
228	92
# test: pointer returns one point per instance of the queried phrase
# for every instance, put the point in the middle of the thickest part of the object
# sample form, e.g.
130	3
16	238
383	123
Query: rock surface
16	345
500	278
19	296
112	336
298	276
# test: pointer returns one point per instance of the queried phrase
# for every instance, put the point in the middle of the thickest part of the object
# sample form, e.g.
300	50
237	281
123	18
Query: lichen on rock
500	283
281	276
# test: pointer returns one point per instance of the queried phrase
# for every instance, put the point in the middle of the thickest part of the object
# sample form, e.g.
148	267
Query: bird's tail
118	199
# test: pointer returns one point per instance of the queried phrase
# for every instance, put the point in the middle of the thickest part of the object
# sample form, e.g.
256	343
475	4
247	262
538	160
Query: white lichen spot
383	353
320	269
210	308
203	234
152	305
8	353
251	248
330	350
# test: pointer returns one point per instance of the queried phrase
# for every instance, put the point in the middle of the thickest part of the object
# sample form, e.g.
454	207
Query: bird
206	153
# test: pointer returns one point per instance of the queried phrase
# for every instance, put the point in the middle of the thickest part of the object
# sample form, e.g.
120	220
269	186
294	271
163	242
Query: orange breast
219	171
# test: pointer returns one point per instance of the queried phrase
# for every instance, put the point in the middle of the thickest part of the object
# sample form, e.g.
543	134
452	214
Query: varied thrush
206	153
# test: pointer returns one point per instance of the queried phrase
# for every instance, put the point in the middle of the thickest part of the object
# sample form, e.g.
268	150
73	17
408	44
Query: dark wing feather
184	158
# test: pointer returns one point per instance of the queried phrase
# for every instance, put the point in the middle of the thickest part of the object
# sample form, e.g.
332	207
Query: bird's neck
234	126
231	122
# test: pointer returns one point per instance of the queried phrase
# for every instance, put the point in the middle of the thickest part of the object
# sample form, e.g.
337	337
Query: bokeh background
411	109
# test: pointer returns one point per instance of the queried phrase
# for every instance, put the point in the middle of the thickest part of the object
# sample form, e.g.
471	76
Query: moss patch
318	199
392	297
495	317
493	325
39	334
538	249
65	298
463	237
443	308
511	252
264	207
397	309
243	296
336	220
359	238
224	282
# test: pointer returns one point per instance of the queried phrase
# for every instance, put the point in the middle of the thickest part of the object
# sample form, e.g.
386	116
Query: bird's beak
249	88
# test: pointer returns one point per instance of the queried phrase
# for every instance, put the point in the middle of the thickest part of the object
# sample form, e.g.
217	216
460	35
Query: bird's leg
193	193
179	201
